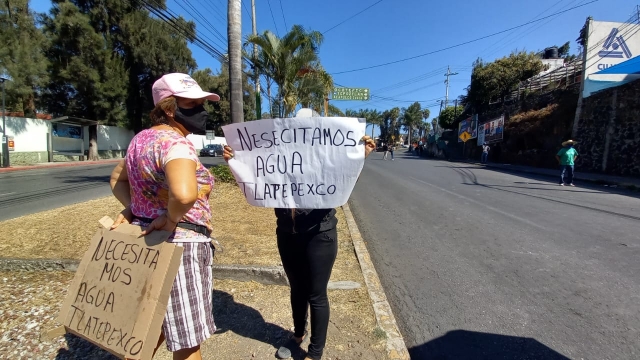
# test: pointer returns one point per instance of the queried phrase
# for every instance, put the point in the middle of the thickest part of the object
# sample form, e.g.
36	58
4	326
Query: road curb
396	348
64	164
267	275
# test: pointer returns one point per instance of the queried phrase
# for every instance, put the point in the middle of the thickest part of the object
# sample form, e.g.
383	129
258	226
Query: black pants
307	259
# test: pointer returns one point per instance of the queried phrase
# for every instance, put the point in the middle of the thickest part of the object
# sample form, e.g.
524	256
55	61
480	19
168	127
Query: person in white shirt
485	153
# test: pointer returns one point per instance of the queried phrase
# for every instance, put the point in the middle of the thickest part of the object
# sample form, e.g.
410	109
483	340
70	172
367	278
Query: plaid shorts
189	318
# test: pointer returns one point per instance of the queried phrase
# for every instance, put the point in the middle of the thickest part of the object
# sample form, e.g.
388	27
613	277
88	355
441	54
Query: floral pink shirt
149	152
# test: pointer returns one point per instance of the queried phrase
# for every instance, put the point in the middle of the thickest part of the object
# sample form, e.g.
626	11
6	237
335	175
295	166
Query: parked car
212	150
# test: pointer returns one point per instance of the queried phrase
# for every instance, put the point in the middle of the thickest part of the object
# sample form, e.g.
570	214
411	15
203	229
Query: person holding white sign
308	246
164	186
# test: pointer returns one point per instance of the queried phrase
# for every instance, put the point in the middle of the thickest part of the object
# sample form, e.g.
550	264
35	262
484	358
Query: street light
5	140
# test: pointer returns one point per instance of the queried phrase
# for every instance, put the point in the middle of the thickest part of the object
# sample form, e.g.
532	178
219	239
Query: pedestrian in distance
308	245
164	186
392	148
566	159
385	148
485	153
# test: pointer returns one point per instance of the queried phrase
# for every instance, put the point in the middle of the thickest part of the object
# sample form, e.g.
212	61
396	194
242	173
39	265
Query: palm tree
287	58
234	32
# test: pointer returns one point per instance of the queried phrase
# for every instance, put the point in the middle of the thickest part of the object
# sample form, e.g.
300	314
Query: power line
464	43
244	5
489	49
352	16
273	18
283	18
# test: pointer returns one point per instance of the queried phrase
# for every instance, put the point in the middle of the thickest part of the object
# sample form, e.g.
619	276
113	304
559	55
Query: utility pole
448	74
255	59
585	51
437	127
234	33
5	140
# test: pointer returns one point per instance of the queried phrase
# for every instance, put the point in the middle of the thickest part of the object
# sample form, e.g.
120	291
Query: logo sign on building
609	44
493	131
361	94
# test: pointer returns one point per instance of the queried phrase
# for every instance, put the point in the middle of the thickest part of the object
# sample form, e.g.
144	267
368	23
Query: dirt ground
252	319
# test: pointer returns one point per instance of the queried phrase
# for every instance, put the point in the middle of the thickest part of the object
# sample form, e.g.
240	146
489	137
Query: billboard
492	131
469	125
609	44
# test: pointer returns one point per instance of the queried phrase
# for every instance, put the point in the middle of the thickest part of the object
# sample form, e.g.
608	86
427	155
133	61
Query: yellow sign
393	137
465	136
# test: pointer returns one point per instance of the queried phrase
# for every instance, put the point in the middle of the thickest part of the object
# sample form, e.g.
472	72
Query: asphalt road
29	191
480	264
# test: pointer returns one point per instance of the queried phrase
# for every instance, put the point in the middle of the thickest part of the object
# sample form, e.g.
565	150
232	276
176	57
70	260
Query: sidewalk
610	180
58	164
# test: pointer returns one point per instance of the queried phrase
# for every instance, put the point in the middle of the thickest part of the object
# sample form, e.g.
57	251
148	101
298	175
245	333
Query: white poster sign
309	163
609	44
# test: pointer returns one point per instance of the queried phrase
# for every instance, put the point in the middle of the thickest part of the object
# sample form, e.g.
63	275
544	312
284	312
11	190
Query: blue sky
396	29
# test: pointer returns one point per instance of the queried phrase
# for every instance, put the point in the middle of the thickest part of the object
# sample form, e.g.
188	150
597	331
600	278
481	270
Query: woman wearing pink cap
164	186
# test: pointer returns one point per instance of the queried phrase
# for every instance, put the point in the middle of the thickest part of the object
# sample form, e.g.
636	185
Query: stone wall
609	131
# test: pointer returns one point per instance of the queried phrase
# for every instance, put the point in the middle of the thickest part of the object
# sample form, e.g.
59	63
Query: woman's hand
125	217
369	145
160	223
228	153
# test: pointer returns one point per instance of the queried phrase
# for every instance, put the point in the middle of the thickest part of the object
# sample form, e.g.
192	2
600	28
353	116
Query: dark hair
158	115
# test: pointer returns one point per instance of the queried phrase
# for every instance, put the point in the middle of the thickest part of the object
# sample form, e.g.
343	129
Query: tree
106	54
287	58
389	127
426	127
448	116
234	33
335	111
412	119
21	55
496	80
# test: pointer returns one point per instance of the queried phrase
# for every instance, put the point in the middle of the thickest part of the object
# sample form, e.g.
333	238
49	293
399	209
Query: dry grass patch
59	233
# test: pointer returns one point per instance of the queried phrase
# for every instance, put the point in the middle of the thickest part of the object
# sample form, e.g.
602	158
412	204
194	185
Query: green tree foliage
449	115
335	111
105	56
412	119
21	57
87	80
220	112
286	59
494	81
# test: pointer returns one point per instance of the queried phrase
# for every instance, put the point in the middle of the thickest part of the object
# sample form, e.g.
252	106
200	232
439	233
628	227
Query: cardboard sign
310	163
119	295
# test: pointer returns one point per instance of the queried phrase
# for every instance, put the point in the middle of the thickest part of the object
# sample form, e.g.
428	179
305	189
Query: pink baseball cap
181	85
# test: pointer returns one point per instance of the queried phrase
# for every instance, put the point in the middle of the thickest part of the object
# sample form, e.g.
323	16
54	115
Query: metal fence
563	77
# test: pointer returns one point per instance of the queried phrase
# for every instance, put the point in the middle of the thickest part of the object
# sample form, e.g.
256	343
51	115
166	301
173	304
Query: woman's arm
183	192
120	184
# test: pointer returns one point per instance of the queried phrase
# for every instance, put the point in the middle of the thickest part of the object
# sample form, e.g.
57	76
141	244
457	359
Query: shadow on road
471	345
547	179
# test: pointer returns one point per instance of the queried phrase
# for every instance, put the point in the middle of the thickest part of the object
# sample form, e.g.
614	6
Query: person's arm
121	190
183	192
120	184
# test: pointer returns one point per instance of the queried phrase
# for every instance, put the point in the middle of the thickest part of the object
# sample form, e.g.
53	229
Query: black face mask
194	119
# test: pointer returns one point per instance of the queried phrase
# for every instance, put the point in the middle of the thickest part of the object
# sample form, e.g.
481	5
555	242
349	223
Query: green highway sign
361	94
